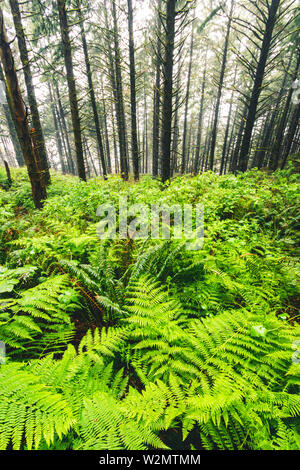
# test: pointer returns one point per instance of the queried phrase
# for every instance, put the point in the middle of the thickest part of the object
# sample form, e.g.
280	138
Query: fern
38	319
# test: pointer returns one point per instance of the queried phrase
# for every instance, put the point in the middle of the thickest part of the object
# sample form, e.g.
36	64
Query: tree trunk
187	96
7	108
237	146
134	140
56	129
259	76
200	118
9	181
119	98
61	116
37	183
156	98
220	88
290	134
35	117
227	127
66	46
167	109
176	125
275	151
91	89
108	157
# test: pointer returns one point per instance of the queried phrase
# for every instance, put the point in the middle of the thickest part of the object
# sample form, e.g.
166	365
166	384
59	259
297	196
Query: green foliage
36	320
122	344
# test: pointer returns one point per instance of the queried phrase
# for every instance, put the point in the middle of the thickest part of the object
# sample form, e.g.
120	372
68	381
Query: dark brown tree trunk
259	76
134	140
294	123
156	97
119	97
262	144
275	151
167	109
200	119
187	97
34	171
176	125
7	108
229	146
9	181
66	46
91	89
227	128
220	88
35	117
56	129
108	157
65	133
237	146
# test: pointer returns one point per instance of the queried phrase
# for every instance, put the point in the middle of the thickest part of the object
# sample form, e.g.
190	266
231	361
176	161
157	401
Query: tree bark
35	117
134	139
275	151
156	97
66	46
227	127
38	186
7	108
290	134
220	88
119	97
167	109
200	119
187	96
259	76
91	89
56	129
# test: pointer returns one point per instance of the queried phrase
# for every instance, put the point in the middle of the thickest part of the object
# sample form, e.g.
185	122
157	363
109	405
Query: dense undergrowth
132	344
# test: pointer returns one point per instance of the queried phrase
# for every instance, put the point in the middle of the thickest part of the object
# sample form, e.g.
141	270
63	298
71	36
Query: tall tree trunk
7	169
65	133
187	97
91	89
7	108
229	146
115	142
64	142
275	151
119	97
34	171
167	109
258	80
156	97
227	127
220	88
176	125
35	117
262	144
200	118
237	146
294	123
56	129
66	46
108	157
134	139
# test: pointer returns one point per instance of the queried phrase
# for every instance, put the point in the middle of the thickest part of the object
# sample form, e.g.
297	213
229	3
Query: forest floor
209	333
